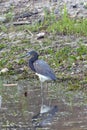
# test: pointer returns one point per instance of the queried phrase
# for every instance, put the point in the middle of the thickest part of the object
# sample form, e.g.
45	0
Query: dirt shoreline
15	42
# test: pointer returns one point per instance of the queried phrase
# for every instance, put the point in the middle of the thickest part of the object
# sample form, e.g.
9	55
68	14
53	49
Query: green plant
67	25
81	50
63	53
2	46
9	16
3	62
3	28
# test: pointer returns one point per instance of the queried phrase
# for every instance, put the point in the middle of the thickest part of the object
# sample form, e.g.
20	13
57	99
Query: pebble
74	5
2	19
40	35
4	70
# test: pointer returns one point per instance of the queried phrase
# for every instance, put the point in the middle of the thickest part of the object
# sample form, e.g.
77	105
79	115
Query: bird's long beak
27	54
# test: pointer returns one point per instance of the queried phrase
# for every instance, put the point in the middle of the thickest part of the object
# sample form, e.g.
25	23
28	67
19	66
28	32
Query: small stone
85	5
35	11
20	70
40	35
74	5
4	70
2	19
85	66
72	73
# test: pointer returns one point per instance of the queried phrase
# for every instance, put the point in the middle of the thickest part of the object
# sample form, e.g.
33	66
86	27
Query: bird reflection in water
45	118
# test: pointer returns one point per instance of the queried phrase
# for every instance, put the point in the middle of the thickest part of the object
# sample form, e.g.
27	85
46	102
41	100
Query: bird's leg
50	99
41	89
47	93
42	95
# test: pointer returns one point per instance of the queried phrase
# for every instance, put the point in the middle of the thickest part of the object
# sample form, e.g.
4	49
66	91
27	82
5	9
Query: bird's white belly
42	77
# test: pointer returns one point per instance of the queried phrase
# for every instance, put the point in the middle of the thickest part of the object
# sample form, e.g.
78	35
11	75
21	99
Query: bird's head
30	53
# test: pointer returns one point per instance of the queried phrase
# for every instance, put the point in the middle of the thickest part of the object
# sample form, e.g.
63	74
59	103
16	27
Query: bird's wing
43	68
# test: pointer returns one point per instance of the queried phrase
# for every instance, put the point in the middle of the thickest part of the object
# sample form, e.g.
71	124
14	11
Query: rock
35	11
4	70
85	5
2	19
85	66
74	5
20	70
40	35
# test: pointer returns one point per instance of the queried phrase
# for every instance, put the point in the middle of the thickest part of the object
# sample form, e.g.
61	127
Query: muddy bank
17	38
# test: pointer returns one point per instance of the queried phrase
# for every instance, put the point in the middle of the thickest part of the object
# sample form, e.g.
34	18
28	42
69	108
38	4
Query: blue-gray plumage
40	67
43	68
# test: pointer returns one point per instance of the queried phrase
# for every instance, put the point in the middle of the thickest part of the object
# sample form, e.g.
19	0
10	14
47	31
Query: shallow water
22	102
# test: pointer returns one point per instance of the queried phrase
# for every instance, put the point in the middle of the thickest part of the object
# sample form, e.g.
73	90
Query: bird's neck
31	61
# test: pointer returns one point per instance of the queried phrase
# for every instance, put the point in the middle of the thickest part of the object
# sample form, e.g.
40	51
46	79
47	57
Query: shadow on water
21	107
44	119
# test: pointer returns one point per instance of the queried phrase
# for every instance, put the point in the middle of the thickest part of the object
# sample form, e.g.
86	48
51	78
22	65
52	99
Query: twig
29	32
21	23
9	85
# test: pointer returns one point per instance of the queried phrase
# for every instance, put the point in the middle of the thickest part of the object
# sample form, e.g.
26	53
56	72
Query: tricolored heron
40	67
